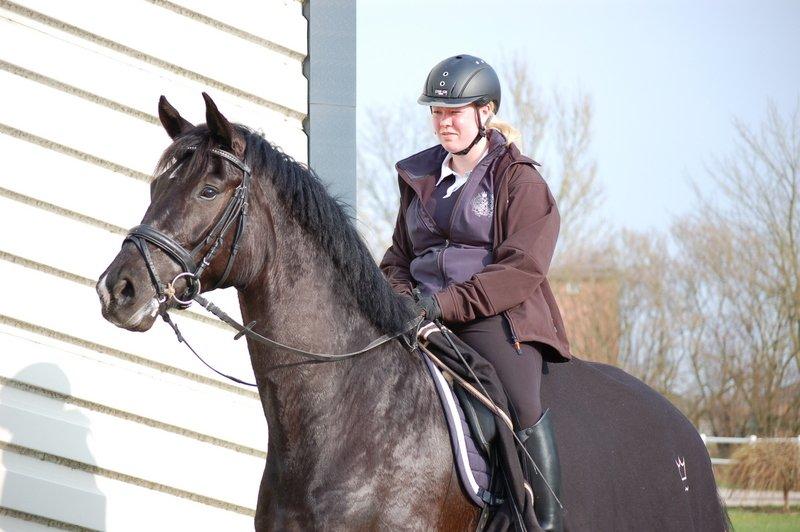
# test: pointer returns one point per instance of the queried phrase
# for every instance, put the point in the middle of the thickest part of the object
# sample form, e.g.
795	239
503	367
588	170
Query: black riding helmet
462	80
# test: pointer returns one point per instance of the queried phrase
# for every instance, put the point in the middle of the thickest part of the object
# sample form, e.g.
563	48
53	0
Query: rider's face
455	127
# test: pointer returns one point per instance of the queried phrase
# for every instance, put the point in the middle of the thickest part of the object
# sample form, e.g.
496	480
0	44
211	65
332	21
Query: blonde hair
511	133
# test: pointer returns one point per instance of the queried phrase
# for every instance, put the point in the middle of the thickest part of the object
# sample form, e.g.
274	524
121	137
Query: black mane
322	216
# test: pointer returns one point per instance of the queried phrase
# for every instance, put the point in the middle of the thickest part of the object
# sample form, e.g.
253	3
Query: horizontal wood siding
101	428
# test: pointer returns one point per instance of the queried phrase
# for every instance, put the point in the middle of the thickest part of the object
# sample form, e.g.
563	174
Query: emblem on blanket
482	204
681	463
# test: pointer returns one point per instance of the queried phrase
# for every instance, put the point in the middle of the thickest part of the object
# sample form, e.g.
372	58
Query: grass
767	519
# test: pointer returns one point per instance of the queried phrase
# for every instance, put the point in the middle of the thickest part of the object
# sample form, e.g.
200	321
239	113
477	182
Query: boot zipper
514	338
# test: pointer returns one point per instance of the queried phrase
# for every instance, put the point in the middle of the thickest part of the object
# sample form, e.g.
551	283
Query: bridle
235	214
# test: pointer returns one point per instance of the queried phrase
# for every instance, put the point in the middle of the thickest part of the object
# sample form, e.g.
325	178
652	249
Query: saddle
480	421
472	430
485	453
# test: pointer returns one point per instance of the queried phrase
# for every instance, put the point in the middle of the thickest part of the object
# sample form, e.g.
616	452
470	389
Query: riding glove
429	307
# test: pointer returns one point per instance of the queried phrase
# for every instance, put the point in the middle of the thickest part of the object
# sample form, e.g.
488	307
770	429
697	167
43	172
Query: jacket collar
510	157
422	170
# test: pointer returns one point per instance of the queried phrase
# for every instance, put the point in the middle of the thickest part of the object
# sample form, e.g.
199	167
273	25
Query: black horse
361	443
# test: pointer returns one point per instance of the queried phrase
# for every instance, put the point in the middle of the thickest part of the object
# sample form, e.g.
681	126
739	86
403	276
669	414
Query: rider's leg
540	442
521	375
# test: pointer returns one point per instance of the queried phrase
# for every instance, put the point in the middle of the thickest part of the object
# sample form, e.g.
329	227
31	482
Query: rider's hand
429	308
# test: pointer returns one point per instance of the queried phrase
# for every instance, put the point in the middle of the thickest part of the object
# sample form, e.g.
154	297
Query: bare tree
763	190
387	136
579	194
557	131
648	331
526	103
709	312
737	264
589	300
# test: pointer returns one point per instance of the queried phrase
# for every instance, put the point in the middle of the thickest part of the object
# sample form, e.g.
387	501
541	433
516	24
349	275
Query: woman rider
475	234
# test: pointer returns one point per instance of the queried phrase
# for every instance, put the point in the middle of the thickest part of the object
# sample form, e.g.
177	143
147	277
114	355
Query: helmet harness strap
478	137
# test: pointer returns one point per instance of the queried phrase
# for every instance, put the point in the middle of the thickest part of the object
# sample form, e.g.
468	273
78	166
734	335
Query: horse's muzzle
127	296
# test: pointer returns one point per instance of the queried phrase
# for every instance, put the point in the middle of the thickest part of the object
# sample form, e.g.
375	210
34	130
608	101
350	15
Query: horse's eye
209	193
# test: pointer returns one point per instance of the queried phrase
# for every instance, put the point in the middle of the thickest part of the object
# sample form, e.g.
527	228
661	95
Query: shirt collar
446	170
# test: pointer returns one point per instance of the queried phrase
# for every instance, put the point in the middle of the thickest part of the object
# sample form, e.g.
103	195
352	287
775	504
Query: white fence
740	440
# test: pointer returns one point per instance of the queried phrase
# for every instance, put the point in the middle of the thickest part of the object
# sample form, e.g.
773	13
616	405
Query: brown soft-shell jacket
526	224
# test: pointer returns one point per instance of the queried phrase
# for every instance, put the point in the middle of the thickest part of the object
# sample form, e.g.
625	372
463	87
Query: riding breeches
520	373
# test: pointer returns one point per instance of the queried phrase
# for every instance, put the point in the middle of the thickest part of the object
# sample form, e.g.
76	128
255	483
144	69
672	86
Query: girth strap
490	498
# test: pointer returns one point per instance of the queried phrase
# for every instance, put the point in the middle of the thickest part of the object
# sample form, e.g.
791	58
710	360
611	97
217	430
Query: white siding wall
101	428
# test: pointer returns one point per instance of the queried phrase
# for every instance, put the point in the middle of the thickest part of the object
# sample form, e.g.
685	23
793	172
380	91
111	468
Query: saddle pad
471	463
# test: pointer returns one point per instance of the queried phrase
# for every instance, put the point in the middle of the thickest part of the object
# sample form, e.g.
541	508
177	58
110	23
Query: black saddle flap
481	420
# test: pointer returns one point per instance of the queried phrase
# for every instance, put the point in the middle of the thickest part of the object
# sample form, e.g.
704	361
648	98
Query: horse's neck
296	304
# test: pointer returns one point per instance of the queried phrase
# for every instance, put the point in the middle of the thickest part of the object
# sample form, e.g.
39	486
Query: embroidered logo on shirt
483	204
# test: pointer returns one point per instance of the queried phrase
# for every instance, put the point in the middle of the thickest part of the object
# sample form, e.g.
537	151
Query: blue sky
666	78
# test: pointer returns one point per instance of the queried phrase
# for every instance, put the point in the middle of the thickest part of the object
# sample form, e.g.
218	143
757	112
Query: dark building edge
330	68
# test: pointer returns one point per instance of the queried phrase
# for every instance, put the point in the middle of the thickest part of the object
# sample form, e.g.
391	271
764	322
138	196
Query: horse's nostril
127	291
123	290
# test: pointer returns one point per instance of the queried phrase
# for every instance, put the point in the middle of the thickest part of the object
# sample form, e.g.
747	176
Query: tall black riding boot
540	442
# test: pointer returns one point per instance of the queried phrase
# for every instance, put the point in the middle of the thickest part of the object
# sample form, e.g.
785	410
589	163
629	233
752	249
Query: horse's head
190	234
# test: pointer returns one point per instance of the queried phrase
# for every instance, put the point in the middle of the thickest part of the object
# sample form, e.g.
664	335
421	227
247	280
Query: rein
250	333
235	213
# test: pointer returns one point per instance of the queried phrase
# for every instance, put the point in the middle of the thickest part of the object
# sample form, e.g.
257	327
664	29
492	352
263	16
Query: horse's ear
171	119
221	130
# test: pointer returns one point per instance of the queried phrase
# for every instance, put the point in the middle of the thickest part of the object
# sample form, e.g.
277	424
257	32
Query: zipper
497	200
495	236
441	261
456	205
514	337
464	186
